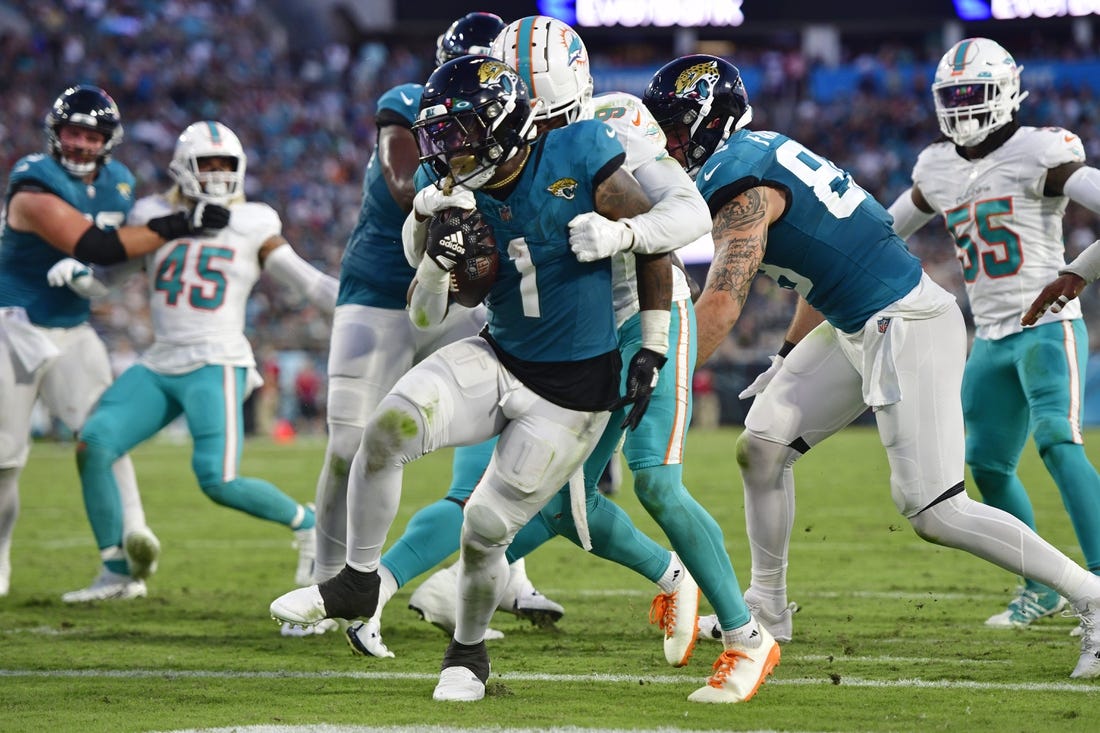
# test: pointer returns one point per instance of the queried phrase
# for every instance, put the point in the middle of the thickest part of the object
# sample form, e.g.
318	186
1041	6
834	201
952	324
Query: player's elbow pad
99	247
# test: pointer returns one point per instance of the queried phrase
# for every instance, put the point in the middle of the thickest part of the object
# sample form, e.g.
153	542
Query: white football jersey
644	143
1008	234
199	287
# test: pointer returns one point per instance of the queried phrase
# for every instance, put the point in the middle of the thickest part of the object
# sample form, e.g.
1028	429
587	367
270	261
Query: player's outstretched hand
641	380
77	276
1054	296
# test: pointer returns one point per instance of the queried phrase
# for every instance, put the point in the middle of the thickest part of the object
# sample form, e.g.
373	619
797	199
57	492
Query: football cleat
464	673
739	671
1088	665
365	637
779	623
1028	605
142	550
321	627
108	586
522	600
708	628
436	602
677	614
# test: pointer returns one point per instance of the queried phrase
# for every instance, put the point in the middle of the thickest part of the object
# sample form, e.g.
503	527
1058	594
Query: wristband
784	349
1086	265
432	277
655	326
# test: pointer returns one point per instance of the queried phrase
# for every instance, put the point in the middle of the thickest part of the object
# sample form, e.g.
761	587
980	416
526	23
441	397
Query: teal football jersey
25	258
373	270
835	245
545	305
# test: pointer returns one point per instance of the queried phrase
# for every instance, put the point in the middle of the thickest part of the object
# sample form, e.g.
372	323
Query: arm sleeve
907	217
679	216
290	270
1083	187
429	299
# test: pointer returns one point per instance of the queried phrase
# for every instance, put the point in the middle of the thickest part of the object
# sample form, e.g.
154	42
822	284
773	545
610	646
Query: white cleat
778	621
709	628
302	606
108	586
436	602
1088	666
677	614
739	672
306	542
522	600
365	637
317	629
458	684
142	550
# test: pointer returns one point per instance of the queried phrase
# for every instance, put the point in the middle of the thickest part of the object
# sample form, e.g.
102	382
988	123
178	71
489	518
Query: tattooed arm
740	230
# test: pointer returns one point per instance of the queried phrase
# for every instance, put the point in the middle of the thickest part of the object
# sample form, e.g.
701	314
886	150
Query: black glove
204	217
641	380
456	235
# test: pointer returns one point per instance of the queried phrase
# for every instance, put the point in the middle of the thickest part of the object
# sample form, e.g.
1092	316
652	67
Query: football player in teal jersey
373	343
887	338
64	209
542	376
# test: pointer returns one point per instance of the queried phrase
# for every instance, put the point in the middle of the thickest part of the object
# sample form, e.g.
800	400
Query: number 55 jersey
199	286
1007	233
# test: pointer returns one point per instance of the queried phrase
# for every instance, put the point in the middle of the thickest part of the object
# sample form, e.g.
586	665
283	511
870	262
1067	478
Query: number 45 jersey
1007	233
835	244
199	286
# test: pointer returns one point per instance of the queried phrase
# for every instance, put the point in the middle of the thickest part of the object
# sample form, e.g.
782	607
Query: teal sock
696	538
430	537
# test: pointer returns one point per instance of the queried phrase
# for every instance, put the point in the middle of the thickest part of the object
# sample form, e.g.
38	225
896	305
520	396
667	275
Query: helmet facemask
208	140
976	91
90	108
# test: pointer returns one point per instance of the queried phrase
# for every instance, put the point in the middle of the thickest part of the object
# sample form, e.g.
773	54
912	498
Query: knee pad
395	435
1049	431
763	461
484	525
658	485
929	523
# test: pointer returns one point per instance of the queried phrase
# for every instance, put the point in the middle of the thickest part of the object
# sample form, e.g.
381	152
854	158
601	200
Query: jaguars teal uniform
25	258
536	267
373	270
836	247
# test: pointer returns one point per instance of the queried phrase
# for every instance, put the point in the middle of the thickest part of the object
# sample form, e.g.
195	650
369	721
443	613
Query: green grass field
889	637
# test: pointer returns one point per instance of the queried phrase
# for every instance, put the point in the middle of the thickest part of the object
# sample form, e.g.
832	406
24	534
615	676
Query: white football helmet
976	89
208	139
551	58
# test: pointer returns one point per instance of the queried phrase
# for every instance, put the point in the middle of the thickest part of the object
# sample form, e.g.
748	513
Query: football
465	237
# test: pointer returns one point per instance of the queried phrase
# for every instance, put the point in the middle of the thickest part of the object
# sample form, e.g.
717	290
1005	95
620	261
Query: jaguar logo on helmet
697	81
563	188
494	73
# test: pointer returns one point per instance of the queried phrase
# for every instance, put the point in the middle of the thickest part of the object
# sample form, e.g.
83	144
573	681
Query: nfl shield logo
883	324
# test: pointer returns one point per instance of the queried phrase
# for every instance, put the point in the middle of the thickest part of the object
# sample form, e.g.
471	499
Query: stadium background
298	83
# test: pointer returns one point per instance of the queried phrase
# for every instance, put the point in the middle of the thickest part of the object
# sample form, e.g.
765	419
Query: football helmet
475	114
698	101
552	60
83	106
208	139
976	90
471	34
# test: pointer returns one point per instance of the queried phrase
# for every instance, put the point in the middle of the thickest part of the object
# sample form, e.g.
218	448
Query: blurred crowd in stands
306	121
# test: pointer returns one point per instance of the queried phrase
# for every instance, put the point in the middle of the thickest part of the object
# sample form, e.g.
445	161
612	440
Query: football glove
641	380
455	235
763	380
203	218
77	276
593	237
431	200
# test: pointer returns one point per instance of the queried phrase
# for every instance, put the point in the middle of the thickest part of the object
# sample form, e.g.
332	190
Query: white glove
430	200
763	380
77	276
593	237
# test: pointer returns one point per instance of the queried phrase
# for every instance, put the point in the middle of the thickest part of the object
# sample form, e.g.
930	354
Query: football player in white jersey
200	365
1002	190
63	209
